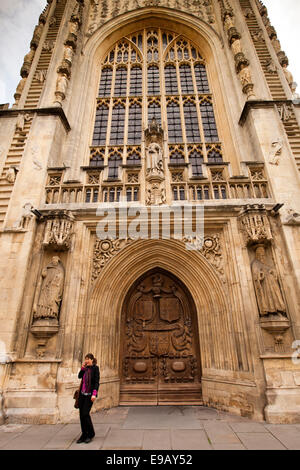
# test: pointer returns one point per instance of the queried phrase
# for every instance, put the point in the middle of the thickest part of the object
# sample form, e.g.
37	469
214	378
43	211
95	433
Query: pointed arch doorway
159	354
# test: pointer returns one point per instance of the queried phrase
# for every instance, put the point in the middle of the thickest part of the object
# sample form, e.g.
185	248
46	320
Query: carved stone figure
61	88
288	75
295	95
285	112
154	159
22	118
26	216
19	89
292	217
27	62
267	288
11	174
275	153
40	75
50	290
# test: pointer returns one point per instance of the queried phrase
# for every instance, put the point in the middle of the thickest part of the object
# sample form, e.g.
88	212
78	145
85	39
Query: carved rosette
59	230
255	225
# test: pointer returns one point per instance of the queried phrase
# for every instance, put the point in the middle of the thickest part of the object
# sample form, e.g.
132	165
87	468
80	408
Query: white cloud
17	21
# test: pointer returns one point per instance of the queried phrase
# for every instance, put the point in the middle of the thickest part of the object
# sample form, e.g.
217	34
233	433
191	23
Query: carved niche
155	173
47	303
255	225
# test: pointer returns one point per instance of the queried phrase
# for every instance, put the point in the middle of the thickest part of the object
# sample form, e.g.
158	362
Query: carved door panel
159	349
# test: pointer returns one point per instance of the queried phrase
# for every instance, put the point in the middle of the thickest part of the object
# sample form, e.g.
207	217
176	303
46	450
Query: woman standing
88	391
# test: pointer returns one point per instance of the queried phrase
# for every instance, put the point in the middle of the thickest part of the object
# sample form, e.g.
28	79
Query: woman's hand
93	398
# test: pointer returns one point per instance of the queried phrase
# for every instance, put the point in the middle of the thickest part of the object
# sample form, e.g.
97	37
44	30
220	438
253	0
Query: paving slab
220	433
185	439
260	441
159	439
248	427
121	439
64	437
161	417
111	416
287	434
33	438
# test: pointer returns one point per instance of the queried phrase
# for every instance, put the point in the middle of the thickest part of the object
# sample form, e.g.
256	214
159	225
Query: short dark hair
91	356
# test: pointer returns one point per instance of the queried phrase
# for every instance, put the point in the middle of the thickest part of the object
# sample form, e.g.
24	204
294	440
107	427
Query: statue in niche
154	153
154	159
50	290
267	288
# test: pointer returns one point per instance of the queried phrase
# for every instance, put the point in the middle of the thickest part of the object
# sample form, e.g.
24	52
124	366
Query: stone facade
64	286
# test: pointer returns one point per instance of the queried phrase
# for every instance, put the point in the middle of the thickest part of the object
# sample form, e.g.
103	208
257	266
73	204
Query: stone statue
50	290
26	216
61	88
267	289
288	75
154	159
275	152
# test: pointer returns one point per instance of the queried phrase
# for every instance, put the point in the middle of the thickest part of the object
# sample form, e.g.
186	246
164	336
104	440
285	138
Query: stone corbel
255	225
59	230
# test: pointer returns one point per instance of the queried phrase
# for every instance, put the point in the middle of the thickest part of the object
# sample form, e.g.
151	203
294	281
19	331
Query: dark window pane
153	81
174	123
208	122
171	80
121	82
186	79
191	123
201	78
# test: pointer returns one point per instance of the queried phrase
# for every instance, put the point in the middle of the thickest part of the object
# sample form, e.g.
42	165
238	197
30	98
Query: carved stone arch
102	331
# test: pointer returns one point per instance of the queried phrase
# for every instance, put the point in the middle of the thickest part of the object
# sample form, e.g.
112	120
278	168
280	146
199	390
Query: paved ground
156	428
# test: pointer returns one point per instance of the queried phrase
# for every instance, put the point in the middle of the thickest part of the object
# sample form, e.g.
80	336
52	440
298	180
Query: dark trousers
85	405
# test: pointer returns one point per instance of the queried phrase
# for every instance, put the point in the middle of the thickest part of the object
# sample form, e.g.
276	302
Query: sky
19	17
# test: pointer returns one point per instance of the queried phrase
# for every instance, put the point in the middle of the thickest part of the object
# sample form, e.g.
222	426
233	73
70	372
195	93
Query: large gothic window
160	74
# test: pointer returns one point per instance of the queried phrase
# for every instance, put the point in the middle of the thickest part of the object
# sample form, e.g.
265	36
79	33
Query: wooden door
159	344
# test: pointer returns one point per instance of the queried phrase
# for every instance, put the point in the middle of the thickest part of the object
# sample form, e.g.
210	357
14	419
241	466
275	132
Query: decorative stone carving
155	194
275	152
102	11
241	62
291	217
61	88
59	230
21	119
266	284
270	66
285	112
255	225
155	191
27	62
210	248
49	290
25	218
11	174
19	90
154	159
104	250
40	76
